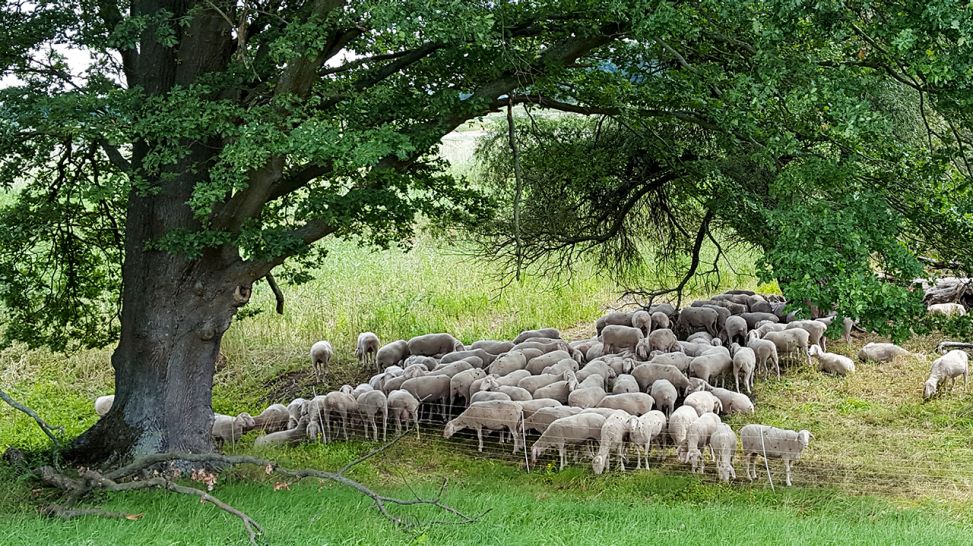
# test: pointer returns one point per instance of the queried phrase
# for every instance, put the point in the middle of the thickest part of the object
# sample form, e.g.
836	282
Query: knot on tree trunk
241	295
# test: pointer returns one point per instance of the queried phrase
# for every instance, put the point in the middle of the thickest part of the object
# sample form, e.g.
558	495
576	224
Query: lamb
459	385
815	330
949	366
664	394
392	354
227	428
649	428
404	408
103	404
542	418
881	352
625	383
946	309
274	418
552	333
733	402
613	432
617	337
698	437
679	423
493	346
292	435
703	402
494	415
643	321
367	349
370	404
574	429
321	353
831	362
765	351
791	341
429	389
767	441
744	363
434	344
634	403
723	442
648	373
709	365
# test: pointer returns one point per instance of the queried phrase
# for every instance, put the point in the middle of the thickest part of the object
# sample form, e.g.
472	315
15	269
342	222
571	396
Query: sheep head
598	463
804	436
450	429
929	389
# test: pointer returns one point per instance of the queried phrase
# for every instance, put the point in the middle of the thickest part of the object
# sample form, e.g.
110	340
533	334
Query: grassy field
883	468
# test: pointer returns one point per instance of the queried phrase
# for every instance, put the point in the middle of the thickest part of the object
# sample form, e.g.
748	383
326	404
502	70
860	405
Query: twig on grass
48	429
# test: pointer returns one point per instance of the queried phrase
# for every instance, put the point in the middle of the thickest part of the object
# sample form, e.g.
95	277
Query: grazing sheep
493	346
710	365
367	349
679	359
765	351
489	396
694	319
815	330
370	404
509	362
698	437
643	321
946	309
634	403
428	390
404	408
562	366
949	366
534	382
703	402
733	402
274	418
735	330
648	373
660	320
596	350
722	314
648	429
296	409
766	326
459	385
625	383
679	423
753	318
796	340
723	442
103	404
492	415
516	394
744	363
614	318
361	389
586	397
321	353
227	428
696	385
613	433
574	429
340	403
703	338
831	362
617	337
846	325
771	442
449	370
434	344
531	406
663	340
596	367
537	364
542	418
551	333
881	352
486	358
559	390
664	394
292	435
392	354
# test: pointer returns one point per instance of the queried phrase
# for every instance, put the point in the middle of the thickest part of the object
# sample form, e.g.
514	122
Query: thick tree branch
278	293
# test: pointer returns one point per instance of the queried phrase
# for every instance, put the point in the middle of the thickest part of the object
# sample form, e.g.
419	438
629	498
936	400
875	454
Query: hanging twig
278	293
518	187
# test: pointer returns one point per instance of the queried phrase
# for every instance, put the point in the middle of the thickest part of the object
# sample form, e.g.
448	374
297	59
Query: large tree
207	142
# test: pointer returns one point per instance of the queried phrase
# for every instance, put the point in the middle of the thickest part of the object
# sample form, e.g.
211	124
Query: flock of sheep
657	376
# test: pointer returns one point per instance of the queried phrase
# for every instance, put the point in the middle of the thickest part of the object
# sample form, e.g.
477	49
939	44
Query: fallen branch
48	429
953	345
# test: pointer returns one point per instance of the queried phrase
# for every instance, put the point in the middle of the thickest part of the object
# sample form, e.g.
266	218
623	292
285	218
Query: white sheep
634	403
434	344
881	352
103	404
949	366
574	429
664	394
321	353
613	433
392	354
744	364
679	423
459	385
815	330
766	351
723	442
227	428
274	418
296	409
489	396
831	362
292	435
795	340
370	404
946	309
770	442
367	349
733	402
493	415
404	408
625	383
703	402
648	429
616	338
542	418
697	438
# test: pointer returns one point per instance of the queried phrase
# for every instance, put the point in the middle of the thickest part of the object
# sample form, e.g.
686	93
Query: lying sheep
434	344
367	349
274	418
617	426
949	366
881	352
229	429
698	438
321	353
771	442
664	394
946	309
392	354
293	435
615	338
405	409
733	402
103	404
723	442
565	431
832	363
634	403
648	429
493	415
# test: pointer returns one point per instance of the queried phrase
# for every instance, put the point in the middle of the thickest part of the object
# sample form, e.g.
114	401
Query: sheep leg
479	436
787	469
733	473
747	461
621	456
736	378
344	425
385	423
638	457
564	459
